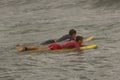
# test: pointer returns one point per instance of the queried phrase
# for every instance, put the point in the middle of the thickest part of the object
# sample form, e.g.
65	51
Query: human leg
22	49
23	45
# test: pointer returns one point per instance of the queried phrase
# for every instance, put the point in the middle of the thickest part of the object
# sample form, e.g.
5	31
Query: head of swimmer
73	32
79	39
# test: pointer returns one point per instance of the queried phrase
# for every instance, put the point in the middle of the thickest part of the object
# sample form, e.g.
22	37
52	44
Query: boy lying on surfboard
68	37
77	43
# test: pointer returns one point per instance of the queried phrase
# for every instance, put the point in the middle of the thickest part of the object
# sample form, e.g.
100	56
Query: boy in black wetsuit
70	36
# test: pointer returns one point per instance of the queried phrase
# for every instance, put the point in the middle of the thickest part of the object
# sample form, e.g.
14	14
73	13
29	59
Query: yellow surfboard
92	46
88	39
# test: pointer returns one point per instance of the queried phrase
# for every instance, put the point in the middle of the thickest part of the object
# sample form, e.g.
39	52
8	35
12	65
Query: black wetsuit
65	37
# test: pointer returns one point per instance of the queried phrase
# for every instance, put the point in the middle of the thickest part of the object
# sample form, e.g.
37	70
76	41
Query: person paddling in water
68	37
77	43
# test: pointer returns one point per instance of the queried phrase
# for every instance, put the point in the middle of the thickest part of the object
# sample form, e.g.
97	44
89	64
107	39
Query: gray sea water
34	21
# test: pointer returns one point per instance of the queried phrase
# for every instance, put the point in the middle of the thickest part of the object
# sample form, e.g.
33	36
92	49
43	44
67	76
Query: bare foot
23	45
21	49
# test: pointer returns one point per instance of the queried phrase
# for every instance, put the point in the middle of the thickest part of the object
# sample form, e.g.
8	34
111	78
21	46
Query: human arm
65	38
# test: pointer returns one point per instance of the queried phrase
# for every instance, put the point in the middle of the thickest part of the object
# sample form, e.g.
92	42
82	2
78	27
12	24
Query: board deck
88	39
92	46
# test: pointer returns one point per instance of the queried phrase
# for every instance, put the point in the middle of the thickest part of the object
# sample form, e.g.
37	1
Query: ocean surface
34	21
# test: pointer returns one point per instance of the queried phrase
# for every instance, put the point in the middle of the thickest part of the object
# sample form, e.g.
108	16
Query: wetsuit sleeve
65	37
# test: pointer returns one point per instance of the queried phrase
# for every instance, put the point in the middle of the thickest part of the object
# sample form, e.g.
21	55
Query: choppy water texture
33	21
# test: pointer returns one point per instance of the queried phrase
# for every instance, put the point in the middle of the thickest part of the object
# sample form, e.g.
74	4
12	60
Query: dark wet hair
72	31
79	38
